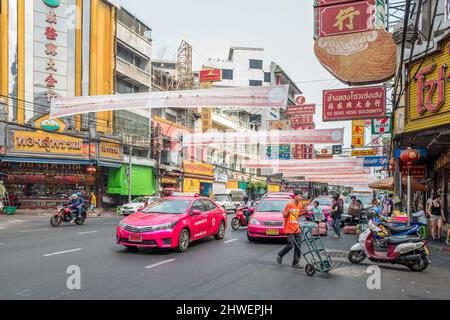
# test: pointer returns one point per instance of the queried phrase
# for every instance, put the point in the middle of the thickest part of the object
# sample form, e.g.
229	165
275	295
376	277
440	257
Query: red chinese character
51	17
50	49
51	65
50	81
50	33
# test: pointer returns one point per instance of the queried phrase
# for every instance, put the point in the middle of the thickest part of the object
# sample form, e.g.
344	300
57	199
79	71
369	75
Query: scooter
408	251
240	218
64	214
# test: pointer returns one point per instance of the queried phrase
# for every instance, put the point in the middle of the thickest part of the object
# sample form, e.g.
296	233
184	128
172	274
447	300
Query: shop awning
46	160
388	184
107	164
142	181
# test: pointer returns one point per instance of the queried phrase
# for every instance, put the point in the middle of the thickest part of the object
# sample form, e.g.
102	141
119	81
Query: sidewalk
50	212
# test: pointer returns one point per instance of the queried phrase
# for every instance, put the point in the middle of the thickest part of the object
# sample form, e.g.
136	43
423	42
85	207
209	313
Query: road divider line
1	244
232	240
159	264
61	252
86	232
32	230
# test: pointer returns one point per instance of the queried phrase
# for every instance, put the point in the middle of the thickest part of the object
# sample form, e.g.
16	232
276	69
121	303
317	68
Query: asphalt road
34	258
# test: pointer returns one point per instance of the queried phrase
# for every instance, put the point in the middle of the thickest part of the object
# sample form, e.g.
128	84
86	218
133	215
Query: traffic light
337	149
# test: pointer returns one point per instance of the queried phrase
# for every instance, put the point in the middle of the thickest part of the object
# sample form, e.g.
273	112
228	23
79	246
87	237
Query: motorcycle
64	215
411	252
240	218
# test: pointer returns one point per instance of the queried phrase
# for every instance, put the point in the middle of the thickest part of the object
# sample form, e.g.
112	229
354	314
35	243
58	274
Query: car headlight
254	221
164	226
122	223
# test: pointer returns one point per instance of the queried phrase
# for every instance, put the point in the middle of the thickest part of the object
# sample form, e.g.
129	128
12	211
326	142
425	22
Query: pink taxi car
172	222
325	202
267	219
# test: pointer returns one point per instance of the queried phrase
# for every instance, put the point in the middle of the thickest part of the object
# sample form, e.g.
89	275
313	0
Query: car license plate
135	238
272	232
427	251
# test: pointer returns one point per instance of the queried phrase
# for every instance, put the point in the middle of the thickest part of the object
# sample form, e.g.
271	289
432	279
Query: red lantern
409	156
91	169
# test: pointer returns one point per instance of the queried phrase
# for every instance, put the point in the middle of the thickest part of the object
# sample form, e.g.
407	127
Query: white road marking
86	232
228	241
22	293
159	264
1	244
61	252
32	230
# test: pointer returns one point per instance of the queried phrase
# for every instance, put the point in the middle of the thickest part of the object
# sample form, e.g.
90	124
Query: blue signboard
376	162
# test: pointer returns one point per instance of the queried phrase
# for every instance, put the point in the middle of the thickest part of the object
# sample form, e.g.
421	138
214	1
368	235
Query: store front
220	180
198	178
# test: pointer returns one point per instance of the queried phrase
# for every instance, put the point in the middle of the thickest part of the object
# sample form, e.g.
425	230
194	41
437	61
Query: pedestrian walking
318	213
437	218
94	203
291	214
336	215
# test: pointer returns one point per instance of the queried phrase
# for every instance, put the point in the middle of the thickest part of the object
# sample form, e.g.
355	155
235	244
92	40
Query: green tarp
142	181
243	185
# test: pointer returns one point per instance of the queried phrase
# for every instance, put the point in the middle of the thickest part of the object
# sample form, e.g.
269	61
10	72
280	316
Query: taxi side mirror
196	212
251	210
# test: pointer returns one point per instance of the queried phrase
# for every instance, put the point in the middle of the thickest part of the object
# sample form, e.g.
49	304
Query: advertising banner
355	103
264	96
363	153
381	126
323	136
210	75
370	162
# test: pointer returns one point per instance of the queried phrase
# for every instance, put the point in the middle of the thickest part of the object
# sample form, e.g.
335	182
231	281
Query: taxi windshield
168	207
272	205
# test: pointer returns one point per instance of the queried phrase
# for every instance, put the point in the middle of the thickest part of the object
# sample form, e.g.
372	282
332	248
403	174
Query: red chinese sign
418	172
345	18
302	120
51	51
322	3
355	103
210	75
305	109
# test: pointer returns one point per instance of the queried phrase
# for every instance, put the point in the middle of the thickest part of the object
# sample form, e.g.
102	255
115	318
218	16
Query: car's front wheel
183	240
250	238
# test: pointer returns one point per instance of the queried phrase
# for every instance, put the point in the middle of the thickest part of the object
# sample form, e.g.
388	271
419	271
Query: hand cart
312	250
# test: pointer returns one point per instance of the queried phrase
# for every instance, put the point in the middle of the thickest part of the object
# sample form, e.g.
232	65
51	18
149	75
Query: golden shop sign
110	150
429	92
38	142
198	168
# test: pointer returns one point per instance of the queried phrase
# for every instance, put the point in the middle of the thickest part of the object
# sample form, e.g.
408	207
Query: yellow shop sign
198	168
39	142
110	150
429	92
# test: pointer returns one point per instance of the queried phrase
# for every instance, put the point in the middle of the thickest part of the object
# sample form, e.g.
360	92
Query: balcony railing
236	120
133	73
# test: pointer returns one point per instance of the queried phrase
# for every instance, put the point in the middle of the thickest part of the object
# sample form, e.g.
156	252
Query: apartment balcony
133	40
230	122
133	74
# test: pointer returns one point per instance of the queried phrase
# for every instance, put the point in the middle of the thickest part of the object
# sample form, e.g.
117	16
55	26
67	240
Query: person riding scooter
75	206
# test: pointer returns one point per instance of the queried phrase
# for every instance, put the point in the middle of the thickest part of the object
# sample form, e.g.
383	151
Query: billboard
210	75
301	110
354	103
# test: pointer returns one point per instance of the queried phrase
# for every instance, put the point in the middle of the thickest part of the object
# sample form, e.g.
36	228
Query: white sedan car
137	203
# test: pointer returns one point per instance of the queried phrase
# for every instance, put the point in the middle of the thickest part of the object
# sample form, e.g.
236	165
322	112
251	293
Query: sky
284	28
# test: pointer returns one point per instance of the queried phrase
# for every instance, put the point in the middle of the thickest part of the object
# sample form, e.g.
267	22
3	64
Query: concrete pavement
34	258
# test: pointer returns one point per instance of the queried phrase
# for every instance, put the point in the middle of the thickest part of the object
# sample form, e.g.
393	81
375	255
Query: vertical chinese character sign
358	133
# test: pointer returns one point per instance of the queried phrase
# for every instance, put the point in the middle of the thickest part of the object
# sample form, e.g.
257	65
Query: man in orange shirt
291	214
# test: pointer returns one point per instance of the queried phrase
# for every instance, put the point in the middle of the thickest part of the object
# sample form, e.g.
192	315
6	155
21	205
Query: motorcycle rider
73	204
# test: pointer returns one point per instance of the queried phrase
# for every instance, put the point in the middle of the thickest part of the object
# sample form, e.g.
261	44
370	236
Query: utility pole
130	167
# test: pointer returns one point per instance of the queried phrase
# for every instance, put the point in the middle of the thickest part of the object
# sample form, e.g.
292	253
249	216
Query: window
198	205
255	83
209	206
227	74
168	207
256	64
267	77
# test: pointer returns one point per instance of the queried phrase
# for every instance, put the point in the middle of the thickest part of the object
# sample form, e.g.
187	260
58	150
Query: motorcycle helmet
74	196
79	194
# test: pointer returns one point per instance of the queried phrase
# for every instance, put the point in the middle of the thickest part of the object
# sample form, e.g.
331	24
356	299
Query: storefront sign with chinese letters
355	103
417	171
358	133
301	120
210	75
429	102
305	109
382	126
345	18
363	153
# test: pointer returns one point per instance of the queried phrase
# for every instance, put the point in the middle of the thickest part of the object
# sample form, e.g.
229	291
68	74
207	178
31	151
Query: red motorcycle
240	218
64	215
